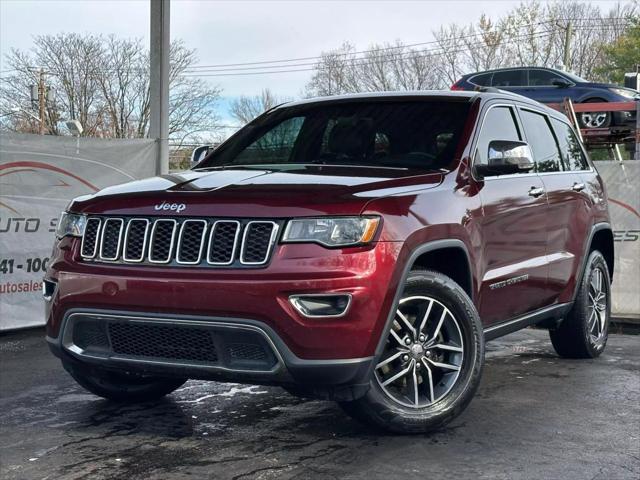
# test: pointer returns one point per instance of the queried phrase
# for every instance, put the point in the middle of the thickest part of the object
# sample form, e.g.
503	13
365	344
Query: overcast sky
247	31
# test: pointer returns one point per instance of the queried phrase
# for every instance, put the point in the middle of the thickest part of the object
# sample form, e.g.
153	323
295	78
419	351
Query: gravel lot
535	416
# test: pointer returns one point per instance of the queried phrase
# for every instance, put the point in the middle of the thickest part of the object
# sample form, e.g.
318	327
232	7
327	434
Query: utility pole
159	82
567	46
41	101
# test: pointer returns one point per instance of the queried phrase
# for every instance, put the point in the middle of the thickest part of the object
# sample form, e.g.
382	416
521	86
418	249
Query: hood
288	191
606	85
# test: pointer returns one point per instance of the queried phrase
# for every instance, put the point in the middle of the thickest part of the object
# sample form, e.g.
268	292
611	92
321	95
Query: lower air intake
163	341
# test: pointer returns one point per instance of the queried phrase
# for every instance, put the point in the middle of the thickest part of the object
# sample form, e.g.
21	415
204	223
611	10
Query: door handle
578	187
536	192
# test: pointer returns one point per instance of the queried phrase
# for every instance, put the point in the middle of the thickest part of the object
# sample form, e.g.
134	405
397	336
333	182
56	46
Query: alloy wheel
594	119
423	354
597	306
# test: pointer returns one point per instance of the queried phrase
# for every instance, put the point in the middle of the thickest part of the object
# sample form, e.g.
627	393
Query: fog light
321	305
48	289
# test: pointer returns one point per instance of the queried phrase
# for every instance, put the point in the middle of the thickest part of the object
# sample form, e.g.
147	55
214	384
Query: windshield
396	134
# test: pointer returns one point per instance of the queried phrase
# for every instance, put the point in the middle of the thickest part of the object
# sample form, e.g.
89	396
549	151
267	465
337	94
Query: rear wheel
123	387
432	359
584	332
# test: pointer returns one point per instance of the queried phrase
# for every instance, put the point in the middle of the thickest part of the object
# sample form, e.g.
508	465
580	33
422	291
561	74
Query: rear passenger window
499	124
508	78
570	149
543	78
542	142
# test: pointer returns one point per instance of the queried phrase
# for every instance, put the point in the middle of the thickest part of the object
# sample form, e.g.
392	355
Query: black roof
460	95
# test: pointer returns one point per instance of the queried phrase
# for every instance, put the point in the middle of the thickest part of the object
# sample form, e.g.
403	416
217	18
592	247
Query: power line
431	42
268	68
367	61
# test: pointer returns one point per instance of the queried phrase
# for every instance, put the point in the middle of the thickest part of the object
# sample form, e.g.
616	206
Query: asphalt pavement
535	416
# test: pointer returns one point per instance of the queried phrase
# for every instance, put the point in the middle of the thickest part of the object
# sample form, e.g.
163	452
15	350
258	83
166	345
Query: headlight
71	224
623	92
332	231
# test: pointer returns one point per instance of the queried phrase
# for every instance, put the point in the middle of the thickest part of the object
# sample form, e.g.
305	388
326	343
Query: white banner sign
623	187
39	175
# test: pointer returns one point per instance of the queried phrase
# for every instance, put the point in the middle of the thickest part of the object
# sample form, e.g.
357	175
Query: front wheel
431	362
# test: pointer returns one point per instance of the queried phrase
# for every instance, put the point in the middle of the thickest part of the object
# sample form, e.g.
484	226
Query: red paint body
506	232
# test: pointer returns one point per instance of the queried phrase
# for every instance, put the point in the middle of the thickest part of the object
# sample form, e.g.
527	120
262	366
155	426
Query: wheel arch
419	257
450	259
601	239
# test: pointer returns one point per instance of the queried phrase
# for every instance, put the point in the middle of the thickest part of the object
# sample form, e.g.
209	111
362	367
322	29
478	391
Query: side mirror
561	83
199	153
506	157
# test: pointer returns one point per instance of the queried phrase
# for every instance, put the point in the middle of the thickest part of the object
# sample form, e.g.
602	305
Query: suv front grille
168	241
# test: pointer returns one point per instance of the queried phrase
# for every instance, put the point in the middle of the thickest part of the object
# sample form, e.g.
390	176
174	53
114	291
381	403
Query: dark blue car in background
548	85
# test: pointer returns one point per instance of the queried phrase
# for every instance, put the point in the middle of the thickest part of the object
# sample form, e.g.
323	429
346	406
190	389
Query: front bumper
369	275
241	350
328	357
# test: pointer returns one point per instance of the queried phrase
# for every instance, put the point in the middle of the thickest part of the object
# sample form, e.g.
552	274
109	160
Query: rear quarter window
483	80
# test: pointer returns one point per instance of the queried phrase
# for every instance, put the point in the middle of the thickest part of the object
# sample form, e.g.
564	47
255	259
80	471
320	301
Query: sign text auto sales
27	225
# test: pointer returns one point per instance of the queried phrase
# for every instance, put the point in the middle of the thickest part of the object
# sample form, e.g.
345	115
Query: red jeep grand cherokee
359	248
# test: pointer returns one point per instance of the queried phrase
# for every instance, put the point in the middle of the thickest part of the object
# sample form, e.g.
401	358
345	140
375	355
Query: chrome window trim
272	240
235	242
476	137
294	300
516	108
96	243
173	236
553	131
144	241
104	229
202	240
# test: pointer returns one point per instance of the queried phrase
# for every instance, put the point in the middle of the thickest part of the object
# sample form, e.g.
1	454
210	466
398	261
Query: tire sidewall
455	299
595	260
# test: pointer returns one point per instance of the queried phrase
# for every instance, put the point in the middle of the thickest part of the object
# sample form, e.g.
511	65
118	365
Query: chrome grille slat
111	239
89	245
176	241
158	243
257	242
223	242
191	241
135	240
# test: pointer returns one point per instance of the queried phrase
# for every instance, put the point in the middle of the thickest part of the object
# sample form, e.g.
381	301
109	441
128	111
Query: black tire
574	337
582	117
123	387
379	409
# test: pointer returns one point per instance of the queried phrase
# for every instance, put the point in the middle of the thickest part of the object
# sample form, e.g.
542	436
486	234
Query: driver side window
499	124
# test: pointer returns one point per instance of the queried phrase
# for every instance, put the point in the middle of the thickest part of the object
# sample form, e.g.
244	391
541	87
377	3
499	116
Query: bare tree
104	83
245	108
382	67
532	33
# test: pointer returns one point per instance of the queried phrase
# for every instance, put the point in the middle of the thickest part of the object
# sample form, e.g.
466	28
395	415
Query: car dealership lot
535	416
